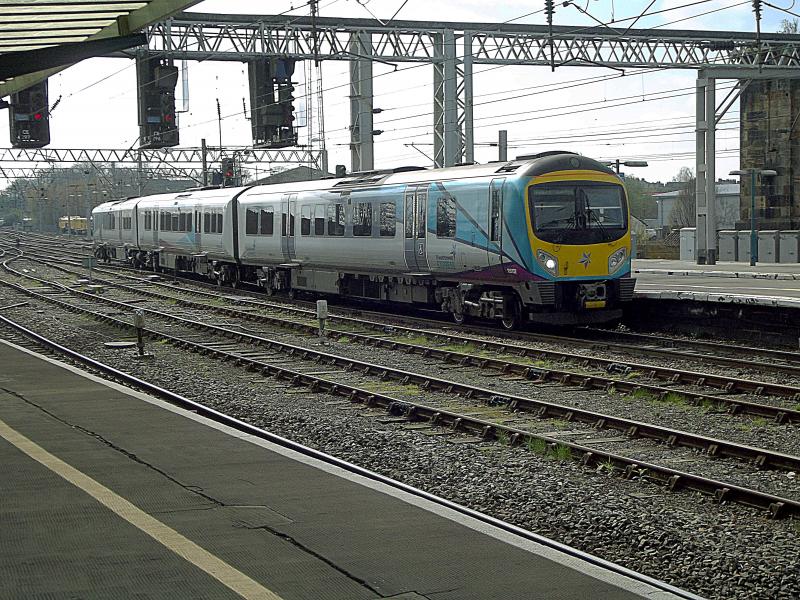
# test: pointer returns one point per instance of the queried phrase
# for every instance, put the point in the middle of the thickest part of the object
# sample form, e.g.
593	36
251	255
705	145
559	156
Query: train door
288	210
494	247
415	216
197	229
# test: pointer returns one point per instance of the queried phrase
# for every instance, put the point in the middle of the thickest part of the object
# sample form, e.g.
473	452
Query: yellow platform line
230	577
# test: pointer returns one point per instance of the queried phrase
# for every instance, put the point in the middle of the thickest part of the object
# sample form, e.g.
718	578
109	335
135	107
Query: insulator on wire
549	9
757	9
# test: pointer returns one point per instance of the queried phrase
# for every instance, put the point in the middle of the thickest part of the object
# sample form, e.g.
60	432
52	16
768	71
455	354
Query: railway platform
765	284
108	492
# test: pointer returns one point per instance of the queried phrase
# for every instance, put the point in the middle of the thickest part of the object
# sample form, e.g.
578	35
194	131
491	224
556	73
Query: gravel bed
778	437
695	363
722	552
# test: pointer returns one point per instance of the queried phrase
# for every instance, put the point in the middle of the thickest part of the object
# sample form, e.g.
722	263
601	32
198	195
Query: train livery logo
586	259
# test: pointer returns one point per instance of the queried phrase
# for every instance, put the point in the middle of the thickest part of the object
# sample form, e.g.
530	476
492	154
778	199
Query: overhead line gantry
454	48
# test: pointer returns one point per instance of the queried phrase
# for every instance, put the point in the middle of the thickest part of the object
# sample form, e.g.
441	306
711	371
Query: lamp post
627	163
753	230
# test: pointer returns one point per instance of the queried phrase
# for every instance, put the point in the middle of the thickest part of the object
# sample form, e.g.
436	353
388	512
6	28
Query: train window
422	202
336	219
165	220
290	231
306	216
207	222
267	221
219	222
388	216
126	222
319	219
496	210
409	212
182	222
188	222
148	220
446	217
111	221
362	219
251	221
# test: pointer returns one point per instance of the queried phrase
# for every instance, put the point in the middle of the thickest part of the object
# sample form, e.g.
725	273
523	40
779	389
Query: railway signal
29	117
272	102
228	172
157	78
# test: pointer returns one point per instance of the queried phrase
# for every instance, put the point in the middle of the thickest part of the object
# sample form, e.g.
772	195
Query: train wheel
459	318
292	294
511	320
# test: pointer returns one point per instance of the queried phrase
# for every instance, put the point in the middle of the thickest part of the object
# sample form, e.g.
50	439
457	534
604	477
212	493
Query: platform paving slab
300	528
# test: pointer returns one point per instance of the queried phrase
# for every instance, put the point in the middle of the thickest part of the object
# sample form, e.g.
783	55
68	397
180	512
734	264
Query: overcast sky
98	96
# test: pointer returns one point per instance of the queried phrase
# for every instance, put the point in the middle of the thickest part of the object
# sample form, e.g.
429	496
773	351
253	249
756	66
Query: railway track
535	365
587	339
259	353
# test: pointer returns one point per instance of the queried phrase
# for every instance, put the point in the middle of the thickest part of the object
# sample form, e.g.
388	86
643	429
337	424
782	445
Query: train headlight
616	260
548	261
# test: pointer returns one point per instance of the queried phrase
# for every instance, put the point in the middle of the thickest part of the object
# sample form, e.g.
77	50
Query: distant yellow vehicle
70	224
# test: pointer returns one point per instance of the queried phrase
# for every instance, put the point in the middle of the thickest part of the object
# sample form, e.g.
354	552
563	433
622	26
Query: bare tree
683	211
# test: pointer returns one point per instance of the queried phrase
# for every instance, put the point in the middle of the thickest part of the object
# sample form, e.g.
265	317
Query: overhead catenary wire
674	8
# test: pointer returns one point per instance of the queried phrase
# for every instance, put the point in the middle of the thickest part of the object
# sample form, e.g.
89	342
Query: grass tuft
537	446
561	452
642	394
675	398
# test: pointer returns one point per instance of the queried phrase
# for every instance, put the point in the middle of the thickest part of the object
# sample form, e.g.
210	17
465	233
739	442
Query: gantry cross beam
453	48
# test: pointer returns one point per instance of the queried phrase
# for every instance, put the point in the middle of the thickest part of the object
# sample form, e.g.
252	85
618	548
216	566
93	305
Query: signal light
156	78
28	117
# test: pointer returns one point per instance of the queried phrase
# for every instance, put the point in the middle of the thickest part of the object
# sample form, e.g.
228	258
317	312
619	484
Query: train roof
529	165
522	166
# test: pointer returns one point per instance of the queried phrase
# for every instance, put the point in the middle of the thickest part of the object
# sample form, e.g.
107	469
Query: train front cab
579	231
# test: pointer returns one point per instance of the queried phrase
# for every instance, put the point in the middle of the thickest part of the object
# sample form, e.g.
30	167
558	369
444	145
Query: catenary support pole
502	145
700	171
711	176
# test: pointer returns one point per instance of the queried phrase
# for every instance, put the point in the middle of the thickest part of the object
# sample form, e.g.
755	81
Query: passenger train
542	238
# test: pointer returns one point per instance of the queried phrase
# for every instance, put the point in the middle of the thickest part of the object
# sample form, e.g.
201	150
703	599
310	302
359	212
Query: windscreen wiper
603	231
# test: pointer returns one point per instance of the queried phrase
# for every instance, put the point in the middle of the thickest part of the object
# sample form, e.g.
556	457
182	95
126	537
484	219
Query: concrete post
700	171
502	145
361	142
451	136
711	176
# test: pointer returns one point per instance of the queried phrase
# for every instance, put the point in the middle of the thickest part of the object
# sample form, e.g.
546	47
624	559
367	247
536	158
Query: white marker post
322	315
88	263
138	322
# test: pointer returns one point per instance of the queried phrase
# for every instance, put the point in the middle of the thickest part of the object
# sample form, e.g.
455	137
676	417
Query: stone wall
770	139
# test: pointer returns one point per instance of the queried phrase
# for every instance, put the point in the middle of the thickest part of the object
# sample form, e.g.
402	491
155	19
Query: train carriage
113	227
541	238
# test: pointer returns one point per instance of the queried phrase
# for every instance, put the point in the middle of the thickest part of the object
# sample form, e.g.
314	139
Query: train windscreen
578	213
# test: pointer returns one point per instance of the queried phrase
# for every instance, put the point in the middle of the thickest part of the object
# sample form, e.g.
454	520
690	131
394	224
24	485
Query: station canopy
38	38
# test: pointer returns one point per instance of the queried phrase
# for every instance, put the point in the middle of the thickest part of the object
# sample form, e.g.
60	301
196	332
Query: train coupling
593	295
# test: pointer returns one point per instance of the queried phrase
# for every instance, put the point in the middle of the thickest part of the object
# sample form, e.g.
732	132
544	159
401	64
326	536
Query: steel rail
538	374
257	432
762	458
674	480
772	354
689	377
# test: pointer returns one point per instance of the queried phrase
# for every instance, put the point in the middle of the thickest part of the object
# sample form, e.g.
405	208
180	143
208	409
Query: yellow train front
578	227
73	224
